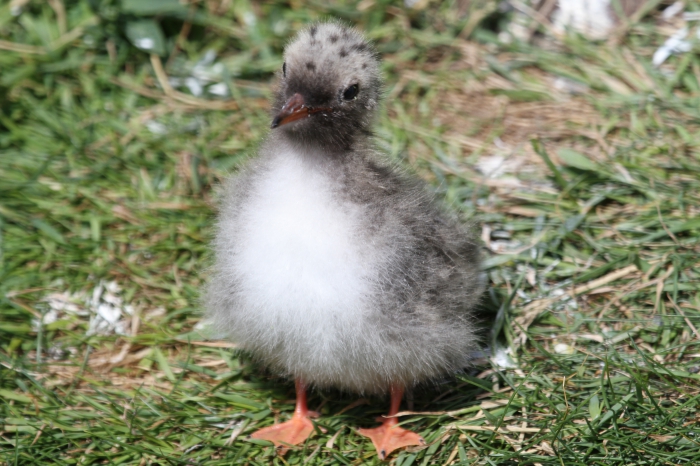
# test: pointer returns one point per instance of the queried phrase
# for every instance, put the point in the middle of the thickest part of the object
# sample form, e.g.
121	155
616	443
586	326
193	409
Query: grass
108	175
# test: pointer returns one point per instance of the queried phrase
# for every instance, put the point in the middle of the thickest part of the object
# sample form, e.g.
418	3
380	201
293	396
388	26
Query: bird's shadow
428	401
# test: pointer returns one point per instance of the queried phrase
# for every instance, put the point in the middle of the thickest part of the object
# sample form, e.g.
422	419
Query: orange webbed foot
389	437
295	430
285	434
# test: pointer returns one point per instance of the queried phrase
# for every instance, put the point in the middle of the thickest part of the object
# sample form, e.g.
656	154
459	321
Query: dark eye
284	69
351	92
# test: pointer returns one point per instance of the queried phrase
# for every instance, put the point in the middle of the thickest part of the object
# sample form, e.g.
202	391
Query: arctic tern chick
332	266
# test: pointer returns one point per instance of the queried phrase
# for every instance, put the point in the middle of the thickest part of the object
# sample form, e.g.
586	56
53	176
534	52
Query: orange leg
294	431
389	436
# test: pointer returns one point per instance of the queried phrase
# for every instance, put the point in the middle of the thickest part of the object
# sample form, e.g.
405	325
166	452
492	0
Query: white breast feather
300	265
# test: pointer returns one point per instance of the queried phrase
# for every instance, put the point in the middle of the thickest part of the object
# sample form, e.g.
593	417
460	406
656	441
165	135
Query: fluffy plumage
332	265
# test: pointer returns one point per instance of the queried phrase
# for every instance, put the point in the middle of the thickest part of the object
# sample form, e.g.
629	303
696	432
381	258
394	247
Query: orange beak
295	109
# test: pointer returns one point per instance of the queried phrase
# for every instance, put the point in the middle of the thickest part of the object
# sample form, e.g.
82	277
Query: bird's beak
295	109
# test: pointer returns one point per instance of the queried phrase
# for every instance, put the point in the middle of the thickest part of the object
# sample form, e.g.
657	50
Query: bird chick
332	266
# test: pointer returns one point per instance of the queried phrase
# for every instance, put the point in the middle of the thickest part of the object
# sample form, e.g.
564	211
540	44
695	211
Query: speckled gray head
329	89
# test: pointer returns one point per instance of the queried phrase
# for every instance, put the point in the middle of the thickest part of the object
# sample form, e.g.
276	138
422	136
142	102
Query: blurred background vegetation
578	159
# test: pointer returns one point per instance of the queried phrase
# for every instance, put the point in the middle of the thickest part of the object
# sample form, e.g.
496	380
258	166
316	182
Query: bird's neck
319	151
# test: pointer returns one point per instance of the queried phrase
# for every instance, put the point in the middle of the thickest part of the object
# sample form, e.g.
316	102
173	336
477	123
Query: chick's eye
351	92
284	69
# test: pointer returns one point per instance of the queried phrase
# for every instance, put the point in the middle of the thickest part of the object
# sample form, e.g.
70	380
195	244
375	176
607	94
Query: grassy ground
580	161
